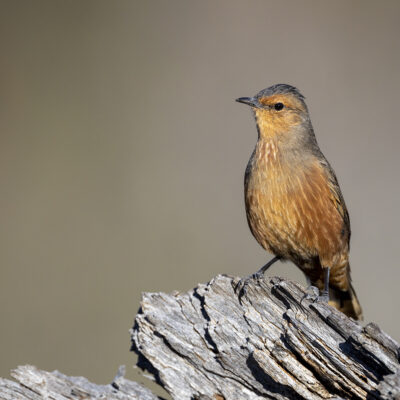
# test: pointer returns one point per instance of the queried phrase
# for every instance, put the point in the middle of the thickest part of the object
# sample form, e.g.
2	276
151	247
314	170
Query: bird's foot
312	294
240	288
323	297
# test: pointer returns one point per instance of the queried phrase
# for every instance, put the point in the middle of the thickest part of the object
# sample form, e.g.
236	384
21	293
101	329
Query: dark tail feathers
347	302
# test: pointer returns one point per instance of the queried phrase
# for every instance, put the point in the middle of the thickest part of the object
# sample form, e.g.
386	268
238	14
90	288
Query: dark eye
279	106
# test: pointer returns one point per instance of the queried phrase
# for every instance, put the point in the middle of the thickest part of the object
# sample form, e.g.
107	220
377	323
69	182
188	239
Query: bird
294	206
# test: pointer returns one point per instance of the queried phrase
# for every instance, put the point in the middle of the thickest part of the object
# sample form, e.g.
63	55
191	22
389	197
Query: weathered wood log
34	384
277	342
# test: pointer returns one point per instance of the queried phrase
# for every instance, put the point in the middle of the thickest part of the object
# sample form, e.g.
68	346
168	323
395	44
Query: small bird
294	206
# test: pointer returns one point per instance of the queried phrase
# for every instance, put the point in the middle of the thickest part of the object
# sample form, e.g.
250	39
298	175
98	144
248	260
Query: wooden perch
205	344
276	343
34	384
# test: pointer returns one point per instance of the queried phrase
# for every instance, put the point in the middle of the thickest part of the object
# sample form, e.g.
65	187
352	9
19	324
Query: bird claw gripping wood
312	294
240	287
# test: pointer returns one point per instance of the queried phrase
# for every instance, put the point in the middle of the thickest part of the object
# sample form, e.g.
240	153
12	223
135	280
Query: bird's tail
347	302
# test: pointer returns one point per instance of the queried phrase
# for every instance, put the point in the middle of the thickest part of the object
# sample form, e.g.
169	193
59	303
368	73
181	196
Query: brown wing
337	197
333	244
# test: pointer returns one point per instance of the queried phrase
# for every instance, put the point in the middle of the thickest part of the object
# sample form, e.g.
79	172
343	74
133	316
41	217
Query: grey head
279	88
283	106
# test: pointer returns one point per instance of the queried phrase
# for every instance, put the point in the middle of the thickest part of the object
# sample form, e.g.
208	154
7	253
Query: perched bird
294	205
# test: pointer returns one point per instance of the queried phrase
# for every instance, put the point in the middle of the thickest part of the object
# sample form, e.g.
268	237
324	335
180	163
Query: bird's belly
274	222
292	215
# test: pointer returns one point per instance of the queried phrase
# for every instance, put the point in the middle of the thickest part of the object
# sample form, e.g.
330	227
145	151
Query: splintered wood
275	342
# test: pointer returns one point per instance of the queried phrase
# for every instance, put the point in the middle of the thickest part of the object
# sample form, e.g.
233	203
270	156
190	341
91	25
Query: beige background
122	155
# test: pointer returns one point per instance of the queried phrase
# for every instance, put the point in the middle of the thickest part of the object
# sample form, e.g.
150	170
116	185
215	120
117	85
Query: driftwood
34	384
275	342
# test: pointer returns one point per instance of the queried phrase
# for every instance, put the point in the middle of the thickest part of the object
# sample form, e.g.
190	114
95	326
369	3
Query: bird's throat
269	126
267	151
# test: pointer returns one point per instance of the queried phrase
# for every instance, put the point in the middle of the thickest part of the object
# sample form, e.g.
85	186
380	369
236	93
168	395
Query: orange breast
292	212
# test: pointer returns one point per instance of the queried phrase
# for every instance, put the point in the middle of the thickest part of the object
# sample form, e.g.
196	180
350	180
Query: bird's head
279	110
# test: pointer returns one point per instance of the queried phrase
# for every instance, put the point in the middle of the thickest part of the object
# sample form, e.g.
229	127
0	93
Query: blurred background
122	154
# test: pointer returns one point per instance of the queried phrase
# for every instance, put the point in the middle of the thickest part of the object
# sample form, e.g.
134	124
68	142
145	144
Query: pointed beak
250	101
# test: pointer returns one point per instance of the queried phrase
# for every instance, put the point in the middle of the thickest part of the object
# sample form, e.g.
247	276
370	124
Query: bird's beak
250	101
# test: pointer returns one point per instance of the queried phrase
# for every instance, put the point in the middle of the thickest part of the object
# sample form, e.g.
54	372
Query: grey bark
275	342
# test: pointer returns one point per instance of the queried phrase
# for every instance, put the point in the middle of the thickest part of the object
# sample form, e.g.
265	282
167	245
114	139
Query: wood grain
276	344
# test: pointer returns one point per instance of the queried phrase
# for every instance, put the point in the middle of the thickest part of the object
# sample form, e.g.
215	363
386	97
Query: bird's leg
308	280
324	296
240	287
262	270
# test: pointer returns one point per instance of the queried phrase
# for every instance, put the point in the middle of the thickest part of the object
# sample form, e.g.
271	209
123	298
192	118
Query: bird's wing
337	196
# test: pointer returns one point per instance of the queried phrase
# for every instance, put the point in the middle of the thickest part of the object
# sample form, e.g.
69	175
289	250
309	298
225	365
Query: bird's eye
279	106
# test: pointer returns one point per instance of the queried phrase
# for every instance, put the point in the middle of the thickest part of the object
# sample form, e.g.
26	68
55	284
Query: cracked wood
205	344
276	343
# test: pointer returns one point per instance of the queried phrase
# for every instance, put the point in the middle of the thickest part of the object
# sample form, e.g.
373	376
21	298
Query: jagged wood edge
276	343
